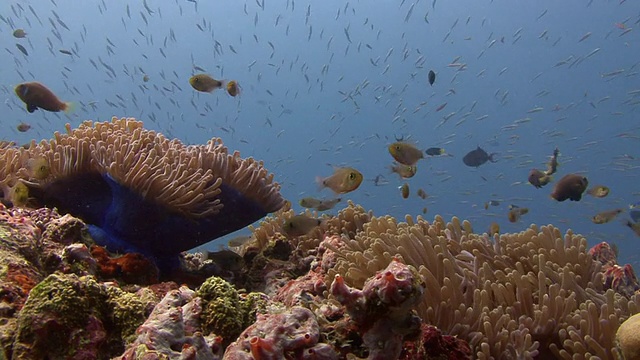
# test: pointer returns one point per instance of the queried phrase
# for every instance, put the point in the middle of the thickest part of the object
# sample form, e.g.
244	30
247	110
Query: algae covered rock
74	317
62	319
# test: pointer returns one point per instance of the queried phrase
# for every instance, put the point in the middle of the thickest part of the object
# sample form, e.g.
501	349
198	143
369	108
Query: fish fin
320	183
69	107
31	108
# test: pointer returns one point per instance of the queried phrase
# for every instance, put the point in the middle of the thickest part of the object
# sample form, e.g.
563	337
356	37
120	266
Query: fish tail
320	183
69	107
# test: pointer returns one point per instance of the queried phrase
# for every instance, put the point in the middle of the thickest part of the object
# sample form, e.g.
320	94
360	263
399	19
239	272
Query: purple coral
171	331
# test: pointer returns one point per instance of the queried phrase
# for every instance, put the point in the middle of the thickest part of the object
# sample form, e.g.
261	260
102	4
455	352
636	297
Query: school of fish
358	91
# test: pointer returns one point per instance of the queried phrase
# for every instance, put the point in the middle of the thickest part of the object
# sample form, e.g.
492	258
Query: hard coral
382	311
140	192
293	334
171	332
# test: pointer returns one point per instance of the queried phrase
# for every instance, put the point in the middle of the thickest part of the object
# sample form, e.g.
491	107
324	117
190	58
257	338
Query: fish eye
397	147
352	176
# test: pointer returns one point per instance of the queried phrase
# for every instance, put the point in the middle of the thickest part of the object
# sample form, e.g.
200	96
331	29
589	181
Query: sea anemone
139	191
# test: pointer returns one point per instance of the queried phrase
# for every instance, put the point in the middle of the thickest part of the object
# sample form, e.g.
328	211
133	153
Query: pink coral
382	311
293	334
170	331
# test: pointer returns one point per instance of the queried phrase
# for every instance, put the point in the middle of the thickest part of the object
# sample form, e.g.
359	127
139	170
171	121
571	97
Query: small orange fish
405	171
37	96
516	212
404	190
233	88
605	216
422	194
598	191
343	180
204	83
405	153
494	228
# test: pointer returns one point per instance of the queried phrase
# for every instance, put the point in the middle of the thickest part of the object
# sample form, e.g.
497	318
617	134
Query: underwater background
334	83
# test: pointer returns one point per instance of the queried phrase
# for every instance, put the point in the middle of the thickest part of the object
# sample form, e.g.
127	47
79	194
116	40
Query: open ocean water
332	83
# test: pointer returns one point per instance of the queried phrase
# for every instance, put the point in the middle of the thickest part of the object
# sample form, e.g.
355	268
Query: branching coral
139	191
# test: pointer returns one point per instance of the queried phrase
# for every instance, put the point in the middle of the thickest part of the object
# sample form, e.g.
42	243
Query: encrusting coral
139	191
383	308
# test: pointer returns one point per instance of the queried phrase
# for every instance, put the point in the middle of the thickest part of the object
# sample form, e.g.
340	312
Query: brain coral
139	191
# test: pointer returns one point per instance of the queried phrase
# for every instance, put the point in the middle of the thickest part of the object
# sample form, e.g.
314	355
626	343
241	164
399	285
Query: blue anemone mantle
123	221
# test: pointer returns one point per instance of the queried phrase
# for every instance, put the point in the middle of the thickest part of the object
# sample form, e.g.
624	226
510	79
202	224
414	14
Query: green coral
221	311
127	312
59	306
224	311
68	316
252	304
143	352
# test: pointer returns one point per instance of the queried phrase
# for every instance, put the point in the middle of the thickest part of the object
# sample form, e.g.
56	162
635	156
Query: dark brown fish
432	77
36	95
571	187
22	49
538	178
477	157
23	127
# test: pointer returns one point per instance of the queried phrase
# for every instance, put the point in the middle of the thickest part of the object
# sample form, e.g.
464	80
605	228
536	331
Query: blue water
317	100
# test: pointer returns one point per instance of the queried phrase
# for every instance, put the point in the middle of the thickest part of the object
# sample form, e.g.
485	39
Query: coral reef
132	268
293	334
139	191
224	311
407	290
432	344
533	293
172	331
383	309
